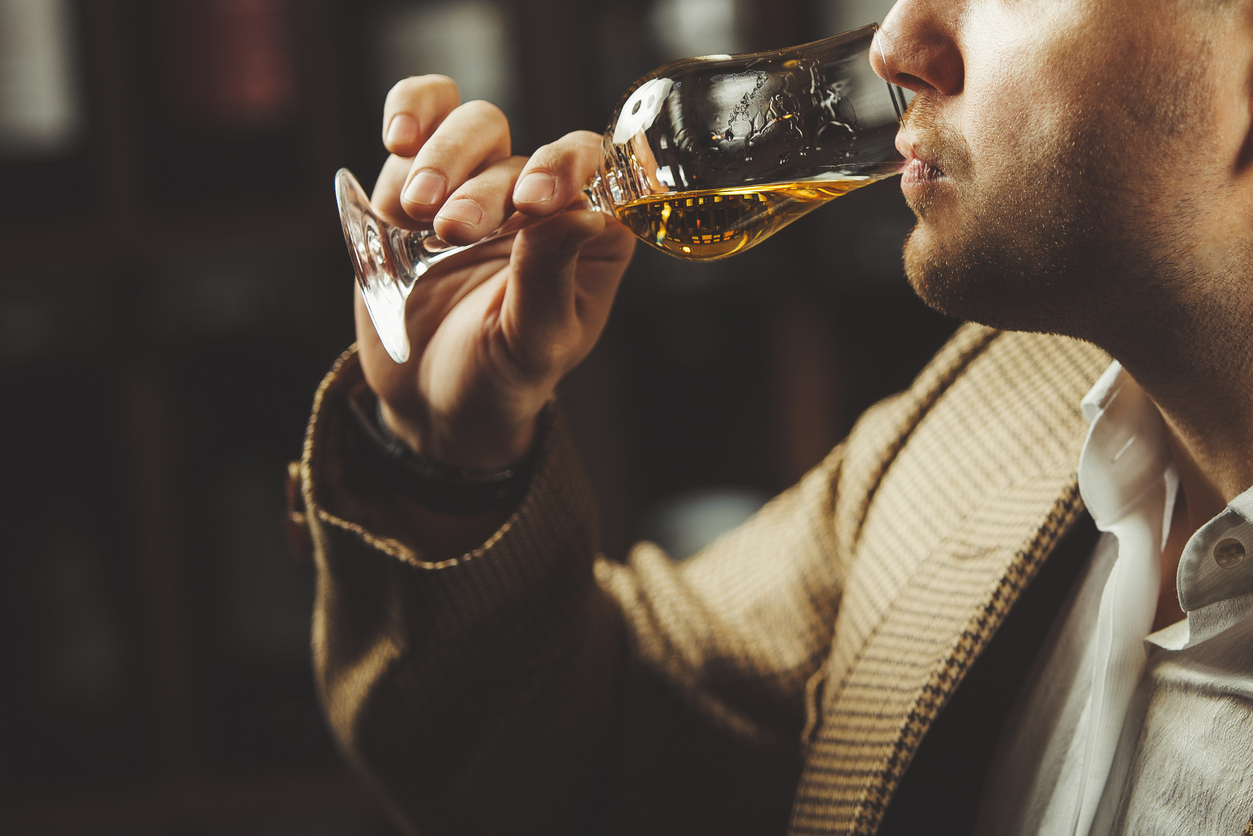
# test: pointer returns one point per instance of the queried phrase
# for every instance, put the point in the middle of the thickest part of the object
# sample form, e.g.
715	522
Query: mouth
920	173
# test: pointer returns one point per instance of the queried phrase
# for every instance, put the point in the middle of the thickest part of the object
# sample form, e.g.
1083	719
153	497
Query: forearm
451	679
523	675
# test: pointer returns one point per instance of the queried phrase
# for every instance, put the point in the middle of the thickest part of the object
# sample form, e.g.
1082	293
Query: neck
1199	377
1196	363
1195	360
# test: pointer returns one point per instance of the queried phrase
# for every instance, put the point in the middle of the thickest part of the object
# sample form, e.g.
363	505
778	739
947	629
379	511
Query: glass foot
384	282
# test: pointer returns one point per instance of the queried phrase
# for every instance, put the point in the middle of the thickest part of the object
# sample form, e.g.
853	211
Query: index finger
556	173
414	108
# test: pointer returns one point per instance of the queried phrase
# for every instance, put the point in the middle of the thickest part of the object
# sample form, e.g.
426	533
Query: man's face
1071	160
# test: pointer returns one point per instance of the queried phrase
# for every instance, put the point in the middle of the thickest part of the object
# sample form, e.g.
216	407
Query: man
934	629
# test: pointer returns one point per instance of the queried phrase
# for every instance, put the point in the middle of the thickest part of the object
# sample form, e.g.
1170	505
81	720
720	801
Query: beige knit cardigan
780	681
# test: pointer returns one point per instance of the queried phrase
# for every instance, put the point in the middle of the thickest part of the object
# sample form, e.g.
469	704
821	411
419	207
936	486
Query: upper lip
908	149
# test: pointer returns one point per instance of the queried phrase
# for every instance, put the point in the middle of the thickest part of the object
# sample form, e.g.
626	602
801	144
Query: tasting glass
703	158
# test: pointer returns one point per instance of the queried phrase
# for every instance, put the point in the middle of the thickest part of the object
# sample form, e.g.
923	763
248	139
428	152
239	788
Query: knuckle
571	151
438	80
402	92
408	90
546	157
480	108
499	174
444	86
441	153
540	360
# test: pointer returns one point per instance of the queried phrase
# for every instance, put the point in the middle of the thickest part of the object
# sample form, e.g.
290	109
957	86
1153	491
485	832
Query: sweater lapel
969	510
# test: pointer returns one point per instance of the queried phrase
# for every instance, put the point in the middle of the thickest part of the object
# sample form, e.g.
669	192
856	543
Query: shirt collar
1126	451
1216	571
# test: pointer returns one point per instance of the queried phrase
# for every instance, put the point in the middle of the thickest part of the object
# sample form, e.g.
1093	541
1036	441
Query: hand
495	329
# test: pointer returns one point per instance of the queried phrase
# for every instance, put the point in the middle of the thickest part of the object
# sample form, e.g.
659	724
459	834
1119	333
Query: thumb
538	314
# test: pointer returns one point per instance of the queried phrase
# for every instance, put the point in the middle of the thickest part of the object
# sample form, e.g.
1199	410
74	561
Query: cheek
1020	95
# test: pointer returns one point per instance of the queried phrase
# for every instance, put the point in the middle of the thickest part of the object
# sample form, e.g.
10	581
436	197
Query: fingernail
426	188
535	188
462	211
402	130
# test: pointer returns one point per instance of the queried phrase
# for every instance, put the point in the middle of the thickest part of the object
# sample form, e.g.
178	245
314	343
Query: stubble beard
1013	245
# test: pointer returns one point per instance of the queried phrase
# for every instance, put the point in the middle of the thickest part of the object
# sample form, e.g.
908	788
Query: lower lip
918	176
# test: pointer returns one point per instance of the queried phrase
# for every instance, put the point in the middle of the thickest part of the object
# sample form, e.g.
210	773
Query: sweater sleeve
530	686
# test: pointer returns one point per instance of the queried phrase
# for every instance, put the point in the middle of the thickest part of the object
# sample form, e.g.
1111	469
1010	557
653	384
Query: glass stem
420	250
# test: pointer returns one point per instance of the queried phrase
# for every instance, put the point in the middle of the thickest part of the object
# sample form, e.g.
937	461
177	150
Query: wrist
433	483
485	450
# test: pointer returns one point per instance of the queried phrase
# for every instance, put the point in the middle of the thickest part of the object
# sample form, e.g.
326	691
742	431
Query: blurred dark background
174	285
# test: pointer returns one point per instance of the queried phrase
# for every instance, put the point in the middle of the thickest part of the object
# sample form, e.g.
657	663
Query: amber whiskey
716	223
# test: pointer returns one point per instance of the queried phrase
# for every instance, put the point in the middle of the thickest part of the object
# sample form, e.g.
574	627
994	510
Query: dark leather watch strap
450	490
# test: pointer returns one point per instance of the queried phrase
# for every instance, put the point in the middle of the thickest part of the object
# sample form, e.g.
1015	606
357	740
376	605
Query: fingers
414	108
602	264
547	183
386	196
442	150
471	138
556	173
480	205
436	145
539	314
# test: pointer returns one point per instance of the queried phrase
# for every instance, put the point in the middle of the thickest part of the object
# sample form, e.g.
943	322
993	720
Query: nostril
889	69
909	82
917	48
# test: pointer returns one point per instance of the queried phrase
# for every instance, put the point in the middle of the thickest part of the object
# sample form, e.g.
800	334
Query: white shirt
1118	734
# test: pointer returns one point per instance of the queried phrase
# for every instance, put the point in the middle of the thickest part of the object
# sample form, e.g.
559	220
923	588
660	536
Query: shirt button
1228	553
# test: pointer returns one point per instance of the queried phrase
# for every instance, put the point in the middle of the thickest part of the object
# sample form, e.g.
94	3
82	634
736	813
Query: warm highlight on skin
1074	206
1097	161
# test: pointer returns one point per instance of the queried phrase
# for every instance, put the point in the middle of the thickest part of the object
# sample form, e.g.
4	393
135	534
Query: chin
946	279
1015	290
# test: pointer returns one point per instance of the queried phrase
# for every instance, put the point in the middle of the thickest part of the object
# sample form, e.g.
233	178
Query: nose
917	47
